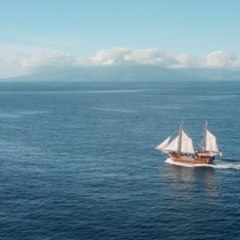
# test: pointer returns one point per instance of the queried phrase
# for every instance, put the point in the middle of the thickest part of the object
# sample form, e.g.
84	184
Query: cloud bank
41	60
125	56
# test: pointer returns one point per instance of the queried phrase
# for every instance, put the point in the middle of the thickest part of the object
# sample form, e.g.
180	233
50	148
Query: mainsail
186	143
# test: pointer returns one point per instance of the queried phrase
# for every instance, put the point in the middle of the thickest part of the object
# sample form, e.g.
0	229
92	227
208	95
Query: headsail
173	145
162	145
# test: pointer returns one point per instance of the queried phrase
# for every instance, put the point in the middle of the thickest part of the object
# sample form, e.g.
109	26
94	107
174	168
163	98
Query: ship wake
218	164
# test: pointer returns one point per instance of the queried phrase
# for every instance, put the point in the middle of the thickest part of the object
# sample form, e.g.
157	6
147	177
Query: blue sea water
78	161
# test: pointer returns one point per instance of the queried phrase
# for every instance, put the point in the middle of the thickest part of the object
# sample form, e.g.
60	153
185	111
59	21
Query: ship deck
193	159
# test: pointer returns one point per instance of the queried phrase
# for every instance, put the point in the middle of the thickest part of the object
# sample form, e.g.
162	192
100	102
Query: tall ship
181	148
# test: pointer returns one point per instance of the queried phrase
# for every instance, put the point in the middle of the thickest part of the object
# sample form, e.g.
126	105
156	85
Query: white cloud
116	56
110	56
42	60
220	59
7	51
150	57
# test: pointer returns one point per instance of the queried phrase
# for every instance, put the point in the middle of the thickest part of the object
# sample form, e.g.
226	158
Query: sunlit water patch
113	110
20	114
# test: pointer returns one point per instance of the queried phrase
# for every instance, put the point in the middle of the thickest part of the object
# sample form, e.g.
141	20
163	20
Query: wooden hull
196	159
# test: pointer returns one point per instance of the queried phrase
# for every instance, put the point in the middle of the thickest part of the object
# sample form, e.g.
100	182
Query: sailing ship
181	148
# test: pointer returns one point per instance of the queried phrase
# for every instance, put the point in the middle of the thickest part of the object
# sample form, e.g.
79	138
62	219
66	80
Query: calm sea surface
78	161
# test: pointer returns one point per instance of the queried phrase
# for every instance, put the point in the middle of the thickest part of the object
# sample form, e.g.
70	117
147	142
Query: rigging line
173	132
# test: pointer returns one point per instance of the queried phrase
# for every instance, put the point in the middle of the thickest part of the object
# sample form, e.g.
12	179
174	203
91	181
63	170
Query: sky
168	33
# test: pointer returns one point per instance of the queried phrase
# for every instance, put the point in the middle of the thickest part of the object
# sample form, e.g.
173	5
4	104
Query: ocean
78	161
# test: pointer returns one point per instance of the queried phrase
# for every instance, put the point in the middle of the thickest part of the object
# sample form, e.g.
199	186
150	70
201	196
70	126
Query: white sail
162	145
211	142
186	143
173	145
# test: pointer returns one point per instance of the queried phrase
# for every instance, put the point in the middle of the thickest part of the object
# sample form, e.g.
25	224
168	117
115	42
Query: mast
180	137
